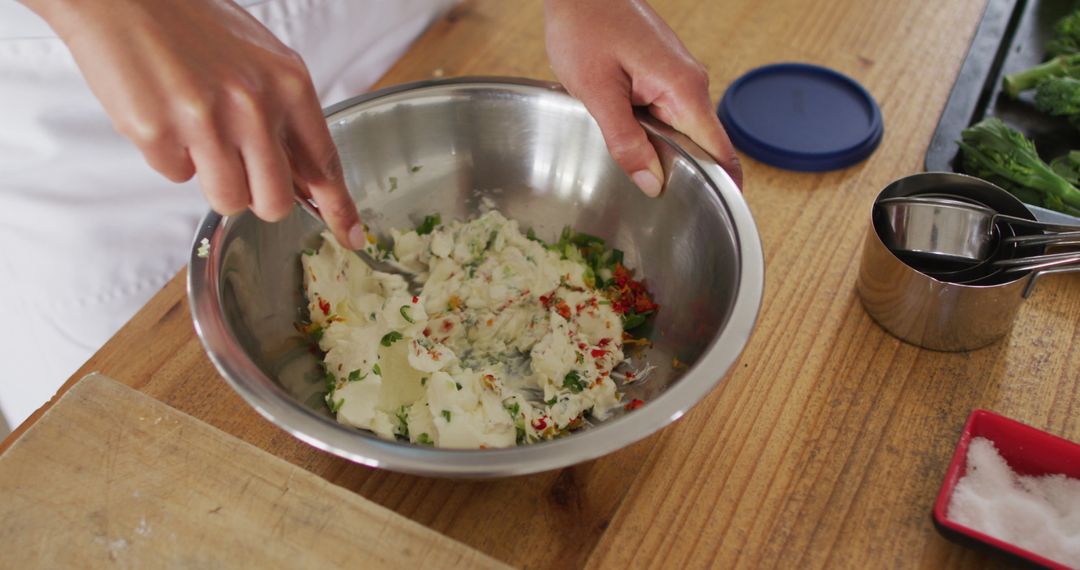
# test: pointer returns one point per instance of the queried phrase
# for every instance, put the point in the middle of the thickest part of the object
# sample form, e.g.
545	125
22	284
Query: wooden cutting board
110	477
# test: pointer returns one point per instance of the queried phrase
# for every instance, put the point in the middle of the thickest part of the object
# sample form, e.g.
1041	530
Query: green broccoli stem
1042	178
1061	66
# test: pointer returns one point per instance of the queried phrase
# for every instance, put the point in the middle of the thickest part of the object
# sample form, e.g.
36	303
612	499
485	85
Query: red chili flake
633	405
427	332
447	325
324	306
628	293
563	309
579	307
598	353
629	375
539	424
546	300
415	299
604	342
490	322
582	345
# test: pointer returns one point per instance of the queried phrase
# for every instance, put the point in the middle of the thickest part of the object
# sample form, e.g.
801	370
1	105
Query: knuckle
340	209
331	165
145	132
247	101
696	78
626	147
198	113
292	80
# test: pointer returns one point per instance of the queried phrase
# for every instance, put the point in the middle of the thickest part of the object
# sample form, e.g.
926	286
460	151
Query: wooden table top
827	443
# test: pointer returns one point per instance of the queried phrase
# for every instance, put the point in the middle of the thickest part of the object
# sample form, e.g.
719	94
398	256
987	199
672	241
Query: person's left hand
617	54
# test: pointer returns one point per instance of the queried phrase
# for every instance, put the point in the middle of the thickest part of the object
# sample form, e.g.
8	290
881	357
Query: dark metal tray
1010	37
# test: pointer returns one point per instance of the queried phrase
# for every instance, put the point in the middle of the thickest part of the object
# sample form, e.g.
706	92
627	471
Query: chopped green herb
572	382
589	277
446	414
423	381
309	251
424	439
335	405
552	401
416	168
520	434
491	239
385	249
372	316
317	333
458	384
356	376
583	239
580	358
403	421
531	235
405	313
376	369
632	320
329	381
428	225
393	183
390	338
514	410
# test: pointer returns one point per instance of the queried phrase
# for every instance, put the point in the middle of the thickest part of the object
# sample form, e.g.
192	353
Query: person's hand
202	88
616	54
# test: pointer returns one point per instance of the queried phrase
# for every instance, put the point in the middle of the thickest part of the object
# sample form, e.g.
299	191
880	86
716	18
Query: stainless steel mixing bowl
535	153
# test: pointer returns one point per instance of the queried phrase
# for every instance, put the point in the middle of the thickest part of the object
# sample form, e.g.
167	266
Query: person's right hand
202	88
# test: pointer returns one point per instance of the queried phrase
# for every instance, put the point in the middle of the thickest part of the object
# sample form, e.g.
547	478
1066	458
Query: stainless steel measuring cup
926	311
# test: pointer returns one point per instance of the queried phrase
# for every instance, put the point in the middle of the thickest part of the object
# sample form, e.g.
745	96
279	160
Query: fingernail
357	239
648	182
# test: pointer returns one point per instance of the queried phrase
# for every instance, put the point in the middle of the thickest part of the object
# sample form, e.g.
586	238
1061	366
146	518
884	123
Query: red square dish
1027	450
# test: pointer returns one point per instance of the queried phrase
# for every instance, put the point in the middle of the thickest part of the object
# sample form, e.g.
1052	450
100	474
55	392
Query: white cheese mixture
505	344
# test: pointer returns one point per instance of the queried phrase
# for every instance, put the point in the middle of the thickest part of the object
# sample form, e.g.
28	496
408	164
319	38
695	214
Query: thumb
696	119
626	140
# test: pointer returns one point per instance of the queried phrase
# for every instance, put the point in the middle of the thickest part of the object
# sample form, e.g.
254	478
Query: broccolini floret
1066	36
1059	96
993	151
1061	66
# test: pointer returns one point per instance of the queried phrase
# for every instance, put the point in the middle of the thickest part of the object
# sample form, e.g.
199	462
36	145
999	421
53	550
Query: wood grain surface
111	478
826	445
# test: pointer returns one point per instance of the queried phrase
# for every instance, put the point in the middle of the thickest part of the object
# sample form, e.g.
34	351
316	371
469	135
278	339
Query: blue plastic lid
801	117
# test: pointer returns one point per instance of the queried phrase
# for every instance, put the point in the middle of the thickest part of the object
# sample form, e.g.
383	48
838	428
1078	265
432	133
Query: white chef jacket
88	231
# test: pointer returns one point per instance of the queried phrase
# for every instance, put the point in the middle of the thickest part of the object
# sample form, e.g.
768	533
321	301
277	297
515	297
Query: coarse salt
1039	514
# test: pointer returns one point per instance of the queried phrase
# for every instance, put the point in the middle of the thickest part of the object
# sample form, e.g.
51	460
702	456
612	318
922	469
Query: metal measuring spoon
950	229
